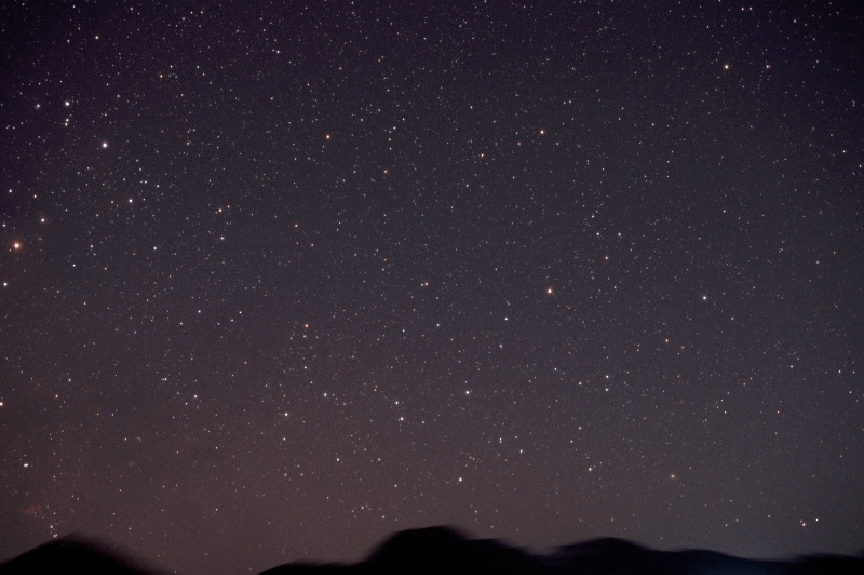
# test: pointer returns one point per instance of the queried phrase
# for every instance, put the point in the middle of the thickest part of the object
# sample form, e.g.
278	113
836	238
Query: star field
279	279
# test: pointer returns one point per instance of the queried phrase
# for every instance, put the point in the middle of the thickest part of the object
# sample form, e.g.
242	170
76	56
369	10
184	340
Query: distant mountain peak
426	543
79	554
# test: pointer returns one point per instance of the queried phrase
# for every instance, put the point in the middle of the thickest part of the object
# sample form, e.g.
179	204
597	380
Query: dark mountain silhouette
445	551
427	551
76	554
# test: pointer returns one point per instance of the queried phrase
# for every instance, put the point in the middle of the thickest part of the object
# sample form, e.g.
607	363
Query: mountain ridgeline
446	551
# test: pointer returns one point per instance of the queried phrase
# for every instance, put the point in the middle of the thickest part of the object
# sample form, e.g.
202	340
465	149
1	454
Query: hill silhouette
76	554
447	551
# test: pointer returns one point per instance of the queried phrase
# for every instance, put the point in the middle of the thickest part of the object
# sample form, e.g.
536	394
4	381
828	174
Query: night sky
279	279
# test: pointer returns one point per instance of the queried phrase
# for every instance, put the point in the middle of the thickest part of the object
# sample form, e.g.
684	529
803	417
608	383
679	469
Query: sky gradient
278	279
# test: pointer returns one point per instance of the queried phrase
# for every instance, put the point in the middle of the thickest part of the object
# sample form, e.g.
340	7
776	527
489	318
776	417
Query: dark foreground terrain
75	554
442	550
